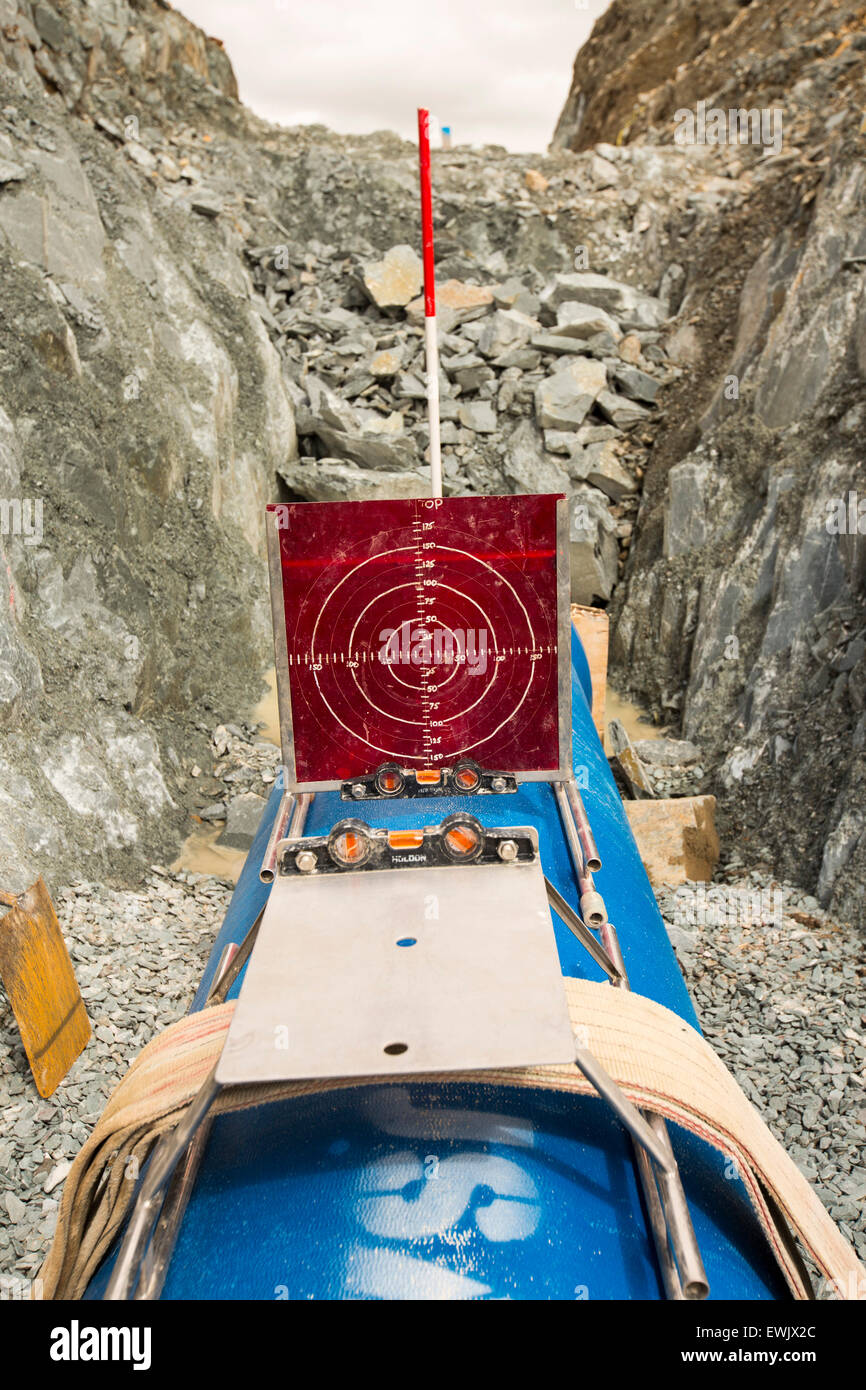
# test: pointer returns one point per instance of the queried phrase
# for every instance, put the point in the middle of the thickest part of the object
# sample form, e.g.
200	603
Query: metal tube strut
566	912
679	1242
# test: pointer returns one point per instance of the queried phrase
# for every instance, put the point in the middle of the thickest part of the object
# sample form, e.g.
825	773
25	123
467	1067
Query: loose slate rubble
538	381
773	977
564	399
335	480
394	281
575	320
599	465
775	982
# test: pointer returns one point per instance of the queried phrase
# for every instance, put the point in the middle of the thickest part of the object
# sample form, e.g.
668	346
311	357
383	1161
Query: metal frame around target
526	616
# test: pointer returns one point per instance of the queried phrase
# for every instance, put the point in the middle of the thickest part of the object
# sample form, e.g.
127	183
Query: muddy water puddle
636	721
202	855
266	712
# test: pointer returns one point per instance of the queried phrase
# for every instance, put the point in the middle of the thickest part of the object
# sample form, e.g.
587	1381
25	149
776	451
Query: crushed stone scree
776	984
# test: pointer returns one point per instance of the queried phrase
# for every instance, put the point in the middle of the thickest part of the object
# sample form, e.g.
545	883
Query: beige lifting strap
660	1062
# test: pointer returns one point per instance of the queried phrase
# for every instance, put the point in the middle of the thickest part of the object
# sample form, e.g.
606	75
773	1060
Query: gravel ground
777	985
138	957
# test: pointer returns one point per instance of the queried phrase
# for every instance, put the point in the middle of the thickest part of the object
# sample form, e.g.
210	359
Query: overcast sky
497	71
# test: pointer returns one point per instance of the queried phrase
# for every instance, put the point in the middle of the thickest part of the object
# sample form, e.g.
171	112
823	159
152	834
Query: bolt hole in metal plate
420	632
327	993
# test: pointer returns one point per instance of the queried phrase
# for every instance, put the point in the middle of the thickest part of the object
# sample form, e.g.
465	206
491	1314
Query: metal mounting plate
328	988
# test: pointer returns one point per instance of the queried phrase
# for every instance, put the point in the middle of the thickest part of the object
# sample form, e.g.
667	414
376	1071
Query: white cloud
498	73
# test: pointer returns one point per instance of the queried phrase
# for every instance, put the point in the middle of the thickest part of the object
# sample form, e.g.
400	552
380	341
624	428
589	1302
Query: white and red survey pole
430	338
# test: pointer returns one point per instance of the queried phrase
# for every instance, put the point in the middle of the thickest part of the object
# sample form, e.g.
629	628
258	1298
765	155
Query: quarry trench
190	330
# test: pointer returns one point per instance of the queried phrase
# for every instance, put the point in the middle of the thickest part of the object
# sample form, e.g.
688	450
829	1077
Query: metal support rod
566	912
295	827
228	972
281	820
629	1114
679	1241
692	1278
223	983
592	908
658	1225
303	802
655	1210
591	857
162	1163
157	1256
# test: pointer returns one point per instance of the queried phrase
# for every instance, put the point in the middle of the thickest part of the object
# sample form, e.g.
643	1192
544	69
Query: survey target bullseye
419	632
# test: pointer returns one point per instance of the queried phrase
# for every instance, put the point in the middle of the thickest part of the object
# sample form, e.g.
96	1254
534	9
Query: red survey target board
419	632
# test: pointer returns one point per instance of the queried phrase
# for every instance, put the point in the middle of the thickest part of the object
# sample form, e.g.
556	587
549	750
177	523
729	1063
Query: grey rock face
593	547
143	422
243	814
847	834
686	513
747	617
11	173
599	464
631	307
564	399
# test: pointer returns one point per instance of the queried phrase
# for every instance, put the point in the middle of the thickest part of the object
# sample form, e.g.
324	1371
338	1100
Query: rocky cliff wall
183	282
202	312
741	616
143	416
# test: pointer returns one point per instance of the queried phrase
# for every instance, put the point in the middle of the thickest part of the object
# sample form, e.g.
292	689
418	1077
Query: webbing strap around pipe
661	1063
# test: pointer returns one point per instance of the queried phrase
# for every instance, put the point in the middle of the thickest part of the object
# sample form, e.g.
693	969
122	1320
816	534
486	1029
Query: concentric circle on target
448	665
430	637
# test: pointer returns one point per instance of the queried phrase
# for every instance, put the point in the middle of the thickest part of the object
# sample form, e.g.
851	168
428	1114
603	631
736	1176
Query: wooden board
43	991
677	839
593	629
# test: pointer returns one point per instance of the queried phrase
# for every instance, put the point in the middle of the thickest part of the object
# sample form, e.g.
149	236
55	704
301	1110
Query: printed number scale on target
420	632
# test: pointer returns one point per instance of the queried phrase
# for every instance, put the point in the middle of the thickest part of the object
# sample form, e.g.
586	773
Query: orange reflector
461	840
428	778
349	846
405	839
467	778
